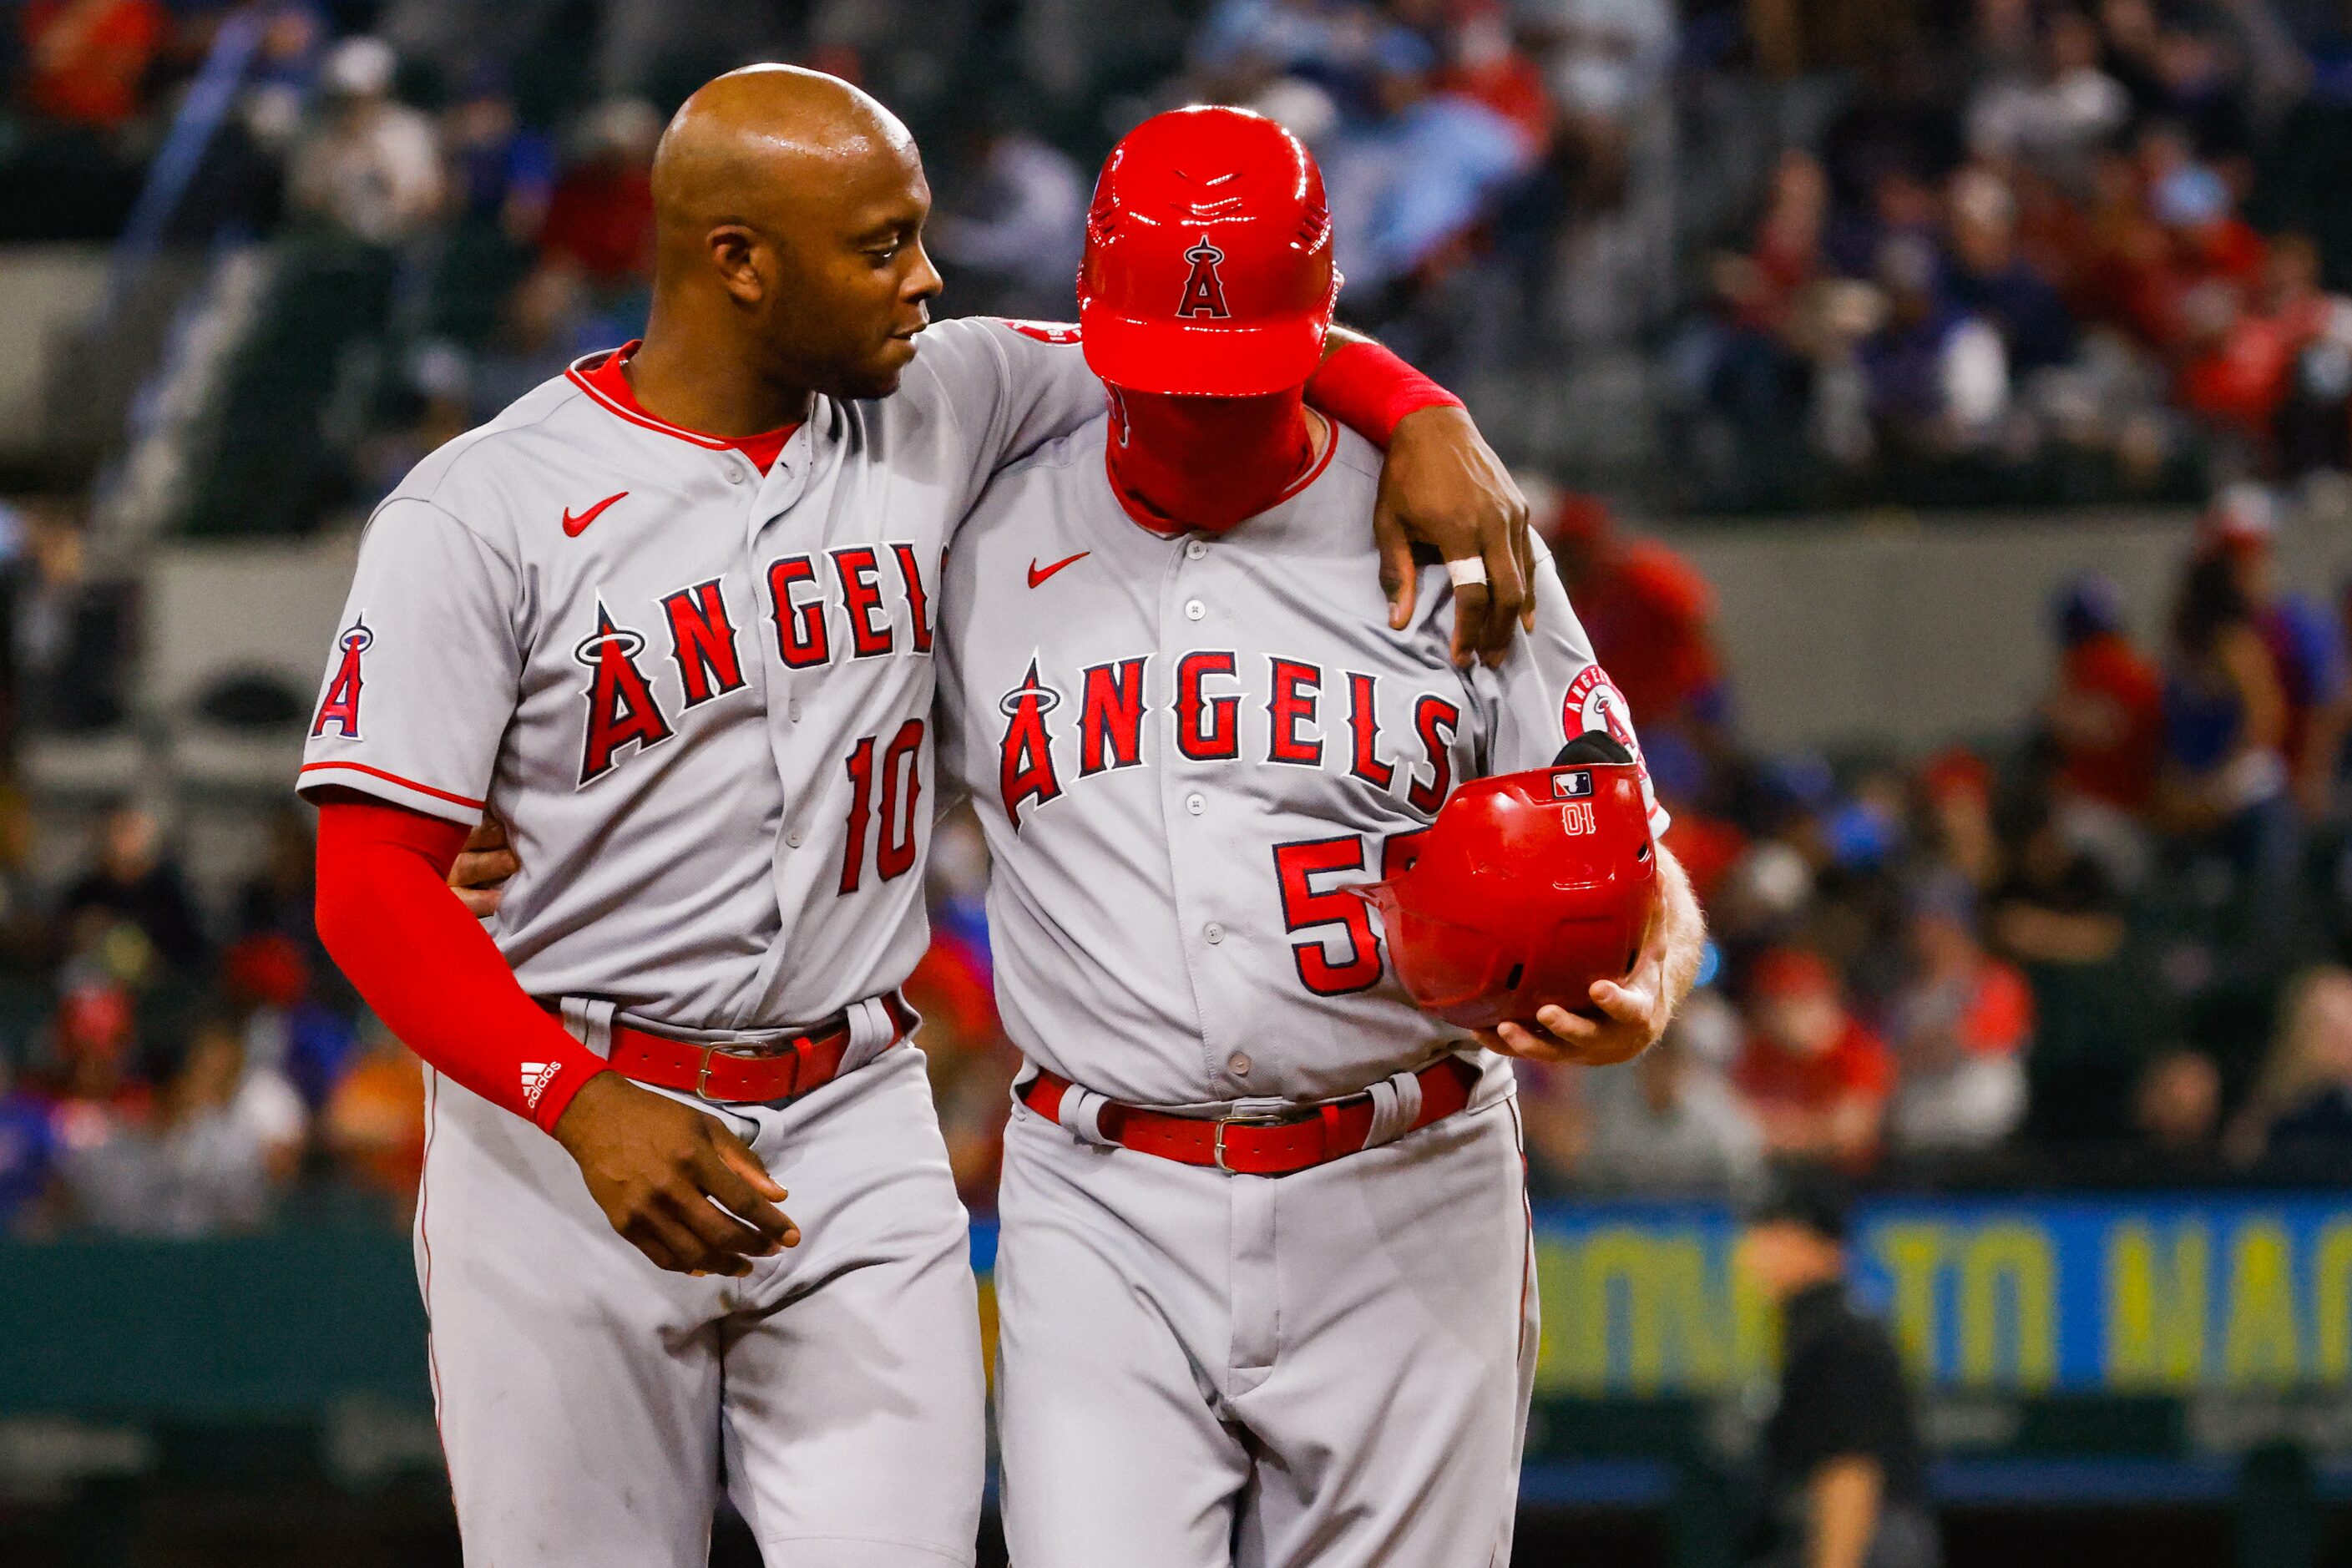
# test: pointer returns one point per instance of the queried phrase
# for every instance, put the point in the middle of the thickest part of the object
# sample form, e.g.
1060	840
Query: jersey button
1213	932
734	474
1196	549
1194	609
792	709
1238	1065
1196	803
793	840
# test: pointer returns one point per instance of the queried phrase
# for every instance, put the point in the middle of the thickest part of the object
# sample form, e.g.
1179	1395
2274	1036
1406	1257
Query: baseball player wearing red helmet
1264	1276
672	614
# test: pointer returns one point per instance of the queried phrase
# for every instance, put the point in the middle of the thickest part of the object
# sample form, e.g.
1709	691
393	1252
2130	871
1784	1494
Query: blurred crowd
2036	248
1930	250
2108	947
2113	946
1987	249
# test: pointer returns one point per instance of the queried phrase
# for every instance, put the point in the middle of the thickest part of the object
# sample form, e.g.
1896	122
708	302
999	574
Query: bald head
771	133
790	208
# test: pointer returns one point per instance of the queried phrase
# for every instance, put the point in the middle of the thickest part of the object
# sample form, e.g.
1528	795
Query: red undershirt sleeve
427	966
1369	390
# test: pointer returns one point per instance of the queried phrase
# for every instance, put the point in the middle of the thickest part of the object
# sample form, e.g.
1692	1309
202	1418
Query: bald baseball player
673	614
1263	1281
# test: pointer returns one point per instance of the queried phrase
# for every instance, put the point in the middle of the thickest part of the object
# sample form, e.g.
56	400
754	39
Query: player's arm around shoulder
1441	488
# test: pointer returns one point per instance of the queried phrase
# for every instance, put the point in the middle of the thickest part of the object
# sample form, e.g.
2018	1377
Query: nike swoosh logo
574	527
1039	574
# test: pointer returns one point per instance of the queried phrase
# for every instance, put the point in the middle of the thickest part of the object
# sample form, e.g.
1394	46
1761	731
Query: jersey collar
599	375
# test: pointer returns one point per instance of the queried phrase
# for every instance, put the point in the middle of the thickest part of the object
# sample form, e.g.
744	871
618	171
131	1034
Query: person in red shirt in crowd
1647	611
1962	1021
87	60
2239	361
601	217
1764	287
1816	1078
2104	713
1955	792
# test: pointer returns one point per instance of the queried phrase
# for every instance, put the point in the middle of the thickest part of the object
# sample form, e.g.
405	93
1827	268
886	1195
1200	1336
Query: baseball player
1263	1276
673	615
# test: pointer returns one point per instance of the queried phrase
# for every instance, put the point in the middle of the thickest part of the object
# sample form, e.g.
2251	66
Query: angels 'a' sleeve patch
1048	332
1593	703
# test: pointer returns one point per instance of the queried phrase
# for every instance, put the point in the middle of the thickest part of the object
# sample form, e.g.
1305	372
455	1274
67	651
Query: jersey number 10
901	771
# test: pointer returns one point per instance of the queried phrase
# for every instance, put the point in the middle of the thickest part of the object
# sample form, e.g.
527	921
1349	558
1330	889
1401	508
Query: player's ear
735	252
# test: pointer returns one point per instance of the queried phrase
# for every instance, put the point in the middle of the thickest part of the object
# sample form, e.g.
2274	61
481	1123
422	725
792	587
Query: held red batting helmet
1208	266
1528	888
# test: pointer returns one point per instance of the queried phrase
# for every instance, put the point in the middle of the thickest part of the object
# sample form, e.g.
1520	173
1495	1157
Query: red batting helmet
1208	266
1525	889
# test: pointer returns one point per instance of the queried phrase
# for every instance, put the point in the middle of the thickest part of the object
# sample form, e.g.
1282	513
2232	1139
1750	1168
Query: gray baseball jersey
698	695
1182	749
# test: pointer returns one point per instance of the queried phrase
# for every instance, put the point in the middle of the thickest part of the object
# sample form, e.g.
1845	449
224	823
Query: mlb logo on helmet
1576	786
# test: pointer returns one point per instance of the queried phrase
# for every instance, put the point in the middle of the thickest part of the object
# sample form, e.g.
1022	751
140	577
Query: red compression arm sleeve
428	968
1369	390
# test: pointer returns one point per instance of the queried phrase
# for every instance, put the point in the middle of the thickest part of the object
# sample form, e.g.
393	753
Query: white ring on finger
1467	572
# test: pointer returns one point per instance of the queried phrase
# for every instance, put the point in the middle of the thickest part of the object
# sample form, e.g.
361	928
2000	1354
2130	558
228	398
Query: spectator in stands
132	880
2198	89
1244	45
370	166
1816	1078
2059	903
501	171
1985	275
2104	723
601	217
1668	1121
2225	711
373	1124
2315	429
2056	119
2176	1107
2300	1109
2305	643
1408	181
1752	361
87	60
1011	230
2105	712
1955	791
28	1154
1937	374
2236	366
287	1029
1606	64
280	897
1962	1022
1648	612
541	330
224	1137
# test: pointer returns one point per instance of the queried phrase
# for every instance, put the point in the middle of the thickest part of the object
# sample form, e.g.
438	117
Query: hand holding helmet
1534	906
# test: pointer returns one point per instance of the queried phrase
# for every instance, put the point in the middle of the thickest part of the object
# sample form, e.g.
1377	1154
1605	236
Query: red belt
1276	1145
733	1074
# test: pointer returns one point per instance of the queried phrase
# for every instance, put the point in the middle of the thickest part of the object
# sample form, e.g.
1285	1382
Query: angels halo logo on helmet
1208	265
1526	889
